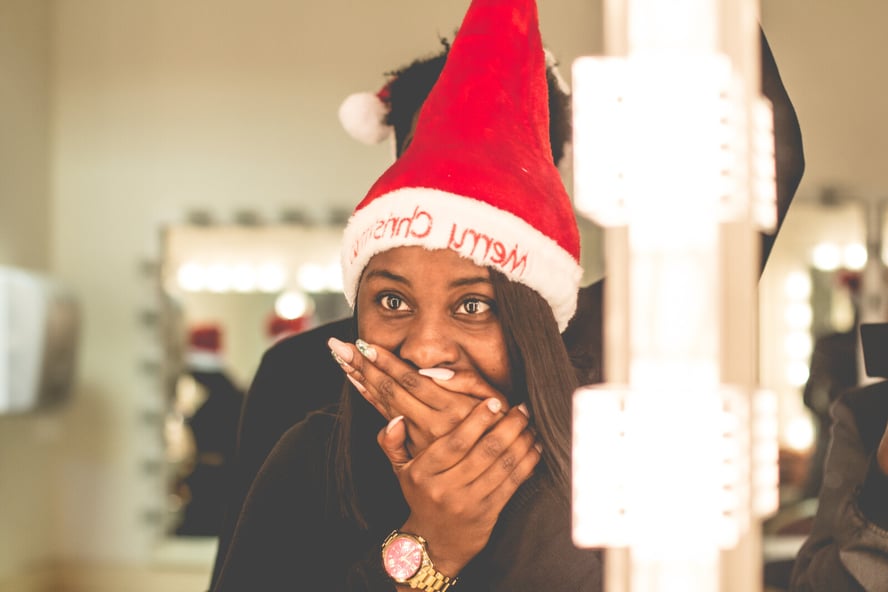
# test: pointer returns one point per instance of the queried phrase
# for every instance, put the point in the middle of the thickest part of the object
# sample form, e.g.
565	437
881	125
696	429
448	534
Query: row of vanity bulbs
268	277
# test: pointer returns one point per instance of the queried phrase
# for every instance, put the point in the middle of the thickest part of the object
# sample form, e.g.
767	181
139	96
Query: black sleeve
873	498
532	549
284	538
297	375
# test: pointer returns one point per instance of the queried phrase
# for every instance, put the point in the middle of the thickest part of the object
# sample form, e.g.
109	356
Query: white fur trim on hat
204	361
488	236
363	117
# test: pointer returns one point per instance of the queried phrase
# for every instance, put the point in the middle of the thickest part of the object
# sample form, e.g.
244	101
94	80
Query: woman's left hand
457	487
432	401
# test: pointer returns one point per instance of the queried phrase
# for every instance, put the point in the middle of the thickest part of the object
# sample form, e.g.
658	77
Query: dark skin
467	452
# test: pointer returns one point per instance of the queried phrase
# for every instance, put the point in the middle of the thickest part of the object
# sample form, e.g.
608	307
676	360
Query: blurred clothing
848	546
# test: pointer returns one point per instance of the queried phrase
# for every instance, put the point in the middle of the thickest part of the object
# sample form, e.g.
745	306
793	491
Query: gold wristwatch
406	560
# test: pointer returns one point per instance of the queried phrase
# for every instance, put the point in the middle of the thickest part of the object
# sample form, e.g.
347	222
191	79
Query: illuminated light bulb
334	277
797	373
271	277
798	315
312	278
218	278
854	256
826	257
798	345
799	434
191	277
291	305
797	285
243	278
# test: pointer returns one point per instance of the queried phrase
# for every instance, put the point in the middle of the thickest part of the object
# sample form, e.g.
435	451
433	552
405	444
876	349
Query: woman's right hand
458	485
432	401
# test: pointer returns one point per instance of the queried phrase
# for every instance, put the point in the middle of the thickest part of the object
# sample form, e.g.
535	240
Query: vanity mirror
229	291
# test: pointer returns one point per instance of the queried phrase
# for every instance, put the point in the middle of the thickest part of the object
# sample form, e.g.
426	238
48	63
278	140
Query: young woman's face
434	309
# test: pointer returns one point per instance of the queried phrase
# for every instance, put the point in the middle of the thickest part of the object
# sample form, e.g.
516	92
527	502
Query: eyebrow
458	283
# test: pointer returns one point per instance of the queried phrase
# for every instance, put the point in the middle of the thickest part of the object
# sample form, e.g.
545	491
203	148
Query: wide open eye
474	306
392	302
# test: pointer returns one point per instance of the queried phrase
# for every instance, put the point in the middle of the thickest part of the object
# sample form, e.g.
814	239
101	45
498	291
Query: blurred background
174	176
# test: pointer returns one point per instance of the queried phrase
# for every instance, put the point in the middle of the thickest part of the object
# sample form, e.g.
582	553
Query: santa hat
478	177
371	117
205	348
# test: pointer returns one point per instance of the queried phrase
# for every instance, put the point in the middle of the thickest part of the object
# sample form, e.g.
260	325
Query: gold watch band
430	580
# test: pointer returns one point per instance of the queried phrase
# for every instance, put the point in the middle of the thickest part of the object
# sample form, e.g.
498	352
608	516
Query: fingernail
437	373
341	352
494	405
342	363
366	349
538	446
358	385
523	409
395	421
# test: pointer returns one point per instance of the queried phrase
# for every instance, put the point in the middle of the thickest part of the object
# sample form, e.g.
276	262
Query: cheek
491	359
373	329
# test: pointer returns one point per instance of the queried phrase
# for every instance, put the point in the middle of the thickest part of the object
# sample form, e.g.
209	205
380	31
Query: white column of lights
675	456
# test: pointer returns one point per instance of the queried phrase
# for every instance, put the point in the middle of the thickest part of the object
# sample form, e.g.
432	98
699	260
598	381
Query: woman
461	264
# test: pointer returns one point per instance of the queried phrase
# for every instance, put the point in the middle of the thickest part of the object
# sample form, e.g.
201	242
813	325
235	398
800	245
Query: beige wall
28	445
24	133
831	57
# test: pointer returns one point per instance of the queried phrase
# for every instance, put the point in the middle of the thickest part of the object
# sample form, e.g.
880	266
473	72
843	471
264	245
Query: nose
429	341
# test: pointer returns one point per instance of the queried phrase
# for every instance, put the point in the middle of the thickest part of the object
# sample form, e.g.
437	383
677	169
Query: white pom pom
363	117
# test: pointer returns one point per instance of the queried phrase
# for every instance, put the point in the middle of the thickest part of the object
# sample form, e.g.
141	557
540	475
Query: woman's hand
433	401
457	487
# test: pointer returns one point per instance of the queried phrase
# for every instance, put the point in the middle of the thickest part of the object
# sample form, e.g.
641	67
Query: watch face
402	558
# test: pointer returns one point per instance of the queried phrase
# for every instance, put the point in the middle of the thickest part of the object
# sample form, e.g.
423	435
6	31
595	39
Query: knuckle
508	462
386	388
492	447
452	419
437	495
435	431
410	380
517	478
455	444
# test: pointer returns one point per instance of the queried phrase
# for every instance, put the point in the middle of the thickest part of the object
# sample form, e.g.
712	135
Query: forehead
420	262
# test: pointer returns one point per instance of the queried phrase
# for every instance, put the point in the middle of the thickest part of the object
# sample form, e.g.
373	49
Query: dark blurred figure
834	370
847	549
214	429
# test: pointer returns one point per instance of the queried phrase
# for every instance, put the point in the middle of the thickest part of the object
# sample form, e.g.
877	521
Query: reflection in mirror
812	295
229	292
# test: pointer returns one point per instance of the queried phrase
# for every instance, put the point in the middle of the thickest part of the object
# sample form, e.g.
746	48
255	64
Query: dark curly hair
411	85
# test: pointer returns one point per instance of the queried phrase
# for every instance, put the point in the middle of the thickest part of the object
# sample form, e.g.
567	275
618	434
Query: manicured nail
495	405
358	385
523	409
342	363
341	352
395	421
437	373
366	349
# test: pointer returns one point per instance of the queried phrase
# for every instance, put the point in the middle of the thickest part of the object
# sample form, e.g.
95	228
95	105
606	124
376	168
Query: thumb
393	439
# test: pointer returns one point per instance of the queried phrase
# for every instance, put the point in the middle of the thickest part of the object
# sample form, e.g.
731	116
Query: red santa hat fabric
205	348
478	177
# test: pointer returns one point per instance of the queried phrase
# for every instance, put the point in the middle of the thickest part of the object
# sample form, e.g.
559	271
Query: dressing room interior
174	182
